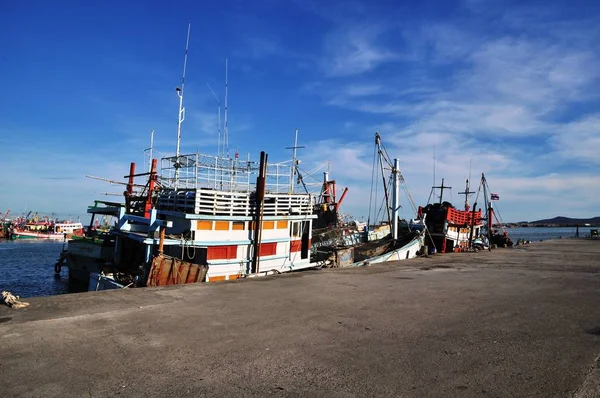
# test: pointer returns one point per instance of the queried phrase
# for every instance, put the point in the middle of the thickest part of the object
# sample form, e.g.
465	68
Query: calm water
27	267
540	233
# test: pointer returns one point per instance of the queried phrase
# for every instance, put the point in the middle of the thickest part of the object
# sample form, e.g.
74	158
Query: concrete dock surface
518	322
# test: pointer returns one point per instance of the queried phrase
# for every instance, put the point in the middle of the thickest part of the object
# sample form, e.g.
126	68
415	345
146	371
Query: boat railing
223	174
463	217
231	203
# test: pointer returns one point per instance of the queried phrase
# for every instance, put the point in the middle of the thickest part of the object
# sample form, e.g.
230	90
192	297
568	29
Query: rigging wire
372	181
383	203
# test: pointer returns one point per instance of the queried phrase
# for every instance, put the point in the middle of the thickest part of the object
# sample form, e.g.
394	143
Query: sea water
27	268
542	233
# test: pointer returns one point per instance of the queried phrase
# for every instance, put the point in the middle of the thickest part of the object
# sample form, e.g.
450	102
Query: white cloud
579	140
353	50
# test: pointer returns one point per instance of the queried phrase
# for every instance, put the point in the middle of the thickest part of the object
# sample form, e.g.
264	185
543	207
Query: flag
495	196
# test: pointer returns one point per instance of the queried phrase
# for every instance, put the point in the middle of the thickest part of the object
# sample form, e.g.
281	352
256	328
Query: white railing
232	203
223	174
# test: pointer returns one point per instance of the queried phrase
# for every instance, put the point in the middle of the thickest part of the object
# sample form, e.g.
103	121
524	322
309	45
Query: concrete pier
520	322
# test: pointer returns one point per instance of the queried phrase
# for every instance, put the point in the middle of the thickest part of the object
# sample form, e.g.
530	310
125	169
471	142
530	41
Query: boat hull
84	256
406	252
35	235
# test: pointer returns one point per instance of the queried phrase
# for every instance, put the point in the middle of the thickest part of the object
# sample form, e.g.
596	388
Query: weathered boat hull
408	251
85	256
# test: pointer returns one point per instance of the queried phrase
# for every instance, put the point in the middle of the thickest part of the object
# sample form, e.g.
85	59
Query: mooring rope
13	301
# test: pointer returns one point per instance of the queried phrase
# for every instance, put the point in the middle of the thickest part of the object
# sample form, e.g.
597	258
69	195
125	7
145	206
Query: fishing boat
218	225
450	229
47	230
357	243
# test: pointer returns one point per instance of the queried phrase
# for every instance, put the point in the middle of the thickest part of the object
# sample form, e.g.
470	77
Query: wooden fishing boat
47	230
450	229
345	245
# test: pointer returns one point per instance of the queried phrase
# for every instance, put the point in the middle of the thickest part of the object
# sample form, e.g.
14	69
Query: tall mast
489	213
225	128
442	187
151	146
385	191
181	108
218	120
294	161
466	193
395	198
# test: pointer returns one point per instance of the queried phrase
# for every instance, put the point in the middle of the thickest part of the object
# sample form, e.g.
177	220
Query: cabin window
268	225
296	230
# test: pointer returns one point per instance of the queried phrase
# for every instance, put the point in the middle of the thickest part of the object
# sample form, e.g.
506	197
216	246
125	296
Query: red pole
151	185
342	198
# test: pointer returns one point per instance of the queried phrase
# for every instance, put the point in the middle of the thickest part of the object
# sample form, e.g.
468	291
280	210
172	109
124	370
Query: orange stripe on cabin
216	278
222	225
266	225
238	225
232	277
282	224
204	225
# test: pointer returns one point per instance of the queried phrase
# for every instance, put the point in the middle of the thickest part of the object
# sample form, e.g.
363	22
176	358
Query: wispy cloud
579	140
353	50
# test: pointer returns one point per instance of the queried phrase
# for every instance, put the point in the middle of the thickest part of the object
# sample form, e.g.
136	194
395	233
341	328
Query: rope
187	249
13	301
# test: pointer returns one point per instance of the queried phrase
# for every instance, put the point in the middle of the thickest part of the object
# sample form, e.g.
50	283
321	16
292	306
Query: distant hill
568	221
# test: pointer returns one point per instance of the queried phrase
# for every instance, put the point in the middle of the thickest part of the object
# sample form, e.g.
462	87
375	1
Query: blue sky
510	87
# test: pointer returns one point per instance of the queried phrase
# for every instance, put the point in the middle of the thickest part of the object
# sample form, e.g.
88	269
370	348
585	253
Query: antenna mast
181	117
225	128
151	146
218	120
294	161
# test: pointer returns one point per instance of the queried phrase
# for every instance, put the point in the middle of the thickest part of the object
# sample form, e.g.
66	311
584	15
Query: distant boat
47	230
